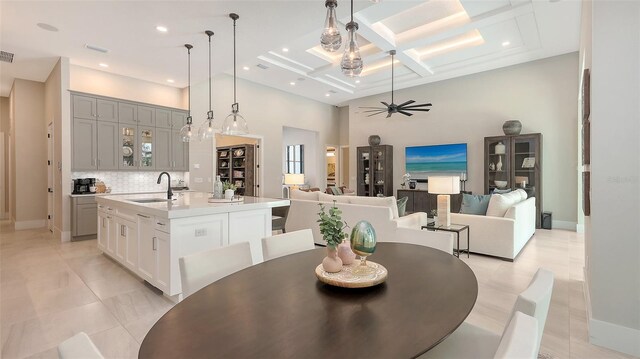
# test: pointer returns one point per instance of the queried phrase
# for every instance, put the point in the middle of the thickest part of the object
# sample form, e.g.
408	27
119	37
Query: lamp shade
444	184
293	178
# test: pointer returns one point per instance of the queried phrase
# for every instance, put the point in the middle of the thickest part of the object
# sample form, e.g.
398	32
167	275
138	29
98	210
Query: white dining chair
287	243
473	342
520	338
201	269
79	346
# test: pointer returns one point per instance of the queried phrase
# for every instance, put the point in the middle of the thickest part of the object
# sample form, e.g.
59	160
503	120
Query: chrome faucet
169	192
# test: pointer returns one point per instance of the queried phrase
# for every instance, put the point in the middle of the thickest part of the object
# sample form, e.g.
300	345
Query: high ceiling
435	40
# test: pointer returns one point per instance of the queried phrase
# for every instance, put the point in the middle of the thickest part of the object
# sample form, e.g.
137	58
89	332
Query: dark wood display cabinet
375	171
512	162
236	164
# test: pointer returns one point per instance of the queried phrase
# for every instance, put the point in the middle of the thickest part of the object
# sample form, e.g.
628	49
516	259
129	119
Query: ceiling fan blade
406	103
370	107
421	105
380	109
377	113
384	103
389	114
417	109
405	113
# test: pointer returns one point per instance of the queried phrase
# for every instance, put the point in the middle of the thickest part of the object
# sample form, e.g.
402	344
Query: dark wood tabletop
278	309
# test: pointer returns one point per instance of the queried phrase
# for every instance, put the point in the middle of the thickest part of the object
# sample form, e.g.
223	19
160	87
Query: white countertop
187	204
123	193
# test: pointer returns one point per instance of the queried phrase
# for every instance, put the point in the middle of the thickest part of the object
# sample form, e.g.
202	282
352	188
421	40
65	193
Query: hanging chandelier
186	132
206	130
351	63
234	124
331	40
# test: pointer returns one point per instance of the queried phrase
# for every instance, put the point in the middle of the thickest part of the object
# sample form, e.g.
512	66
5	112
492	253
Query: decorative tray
224	200
346	279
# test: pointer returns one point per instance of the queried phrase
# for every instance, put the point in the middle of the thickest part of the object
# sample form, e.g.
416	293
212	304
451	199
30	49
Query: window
295	159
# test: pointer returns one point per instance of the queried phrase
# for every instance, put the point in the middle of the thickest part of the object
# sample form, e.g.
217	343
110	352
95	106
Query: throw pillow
323	197
402	206
523	194
474	204
308	196
500	203
501	191
334	190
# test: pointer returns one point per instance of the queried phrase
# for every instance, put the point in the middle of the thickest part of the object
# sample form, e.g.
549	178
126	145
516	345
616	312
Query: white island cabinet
148	234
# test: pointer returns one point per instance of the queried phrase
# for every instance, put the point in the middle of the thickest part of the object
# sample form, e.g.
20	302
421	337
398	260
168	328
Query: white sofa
497	236
382	213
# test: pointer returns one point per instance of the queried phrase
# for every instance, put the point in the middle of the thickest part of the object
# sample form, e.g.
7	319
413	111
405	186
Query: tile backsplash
126	182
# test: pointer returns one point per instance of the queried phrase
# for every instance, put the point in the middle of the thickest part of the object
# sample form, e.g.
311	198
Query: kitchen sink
149	200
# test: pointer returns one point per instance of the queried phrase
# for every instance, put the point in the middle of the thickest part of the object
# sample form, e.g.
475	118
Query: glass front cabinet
375	171
513	162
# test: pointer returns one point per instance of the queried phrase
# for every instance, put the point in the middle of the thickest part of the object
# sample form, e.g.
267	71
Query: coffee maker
83	185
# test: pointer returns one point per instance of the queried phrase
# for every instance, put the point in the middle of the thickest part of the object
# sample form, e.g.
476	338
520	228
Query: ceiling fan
403	108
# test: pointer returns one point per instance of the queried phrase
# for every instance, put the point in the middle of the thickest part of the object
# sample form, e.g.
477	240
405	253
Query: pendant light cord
234	62
209	74
392	76
351	10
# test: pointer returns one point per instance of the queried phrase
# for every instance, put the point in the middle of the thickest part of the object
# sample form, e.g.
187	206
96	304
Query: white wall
267	111
5	129
103	83
296	136
541	94
614	226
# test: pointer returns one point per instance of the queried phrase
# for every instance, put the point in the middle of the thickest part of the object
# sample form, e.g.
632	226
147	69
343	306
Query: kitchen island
148	233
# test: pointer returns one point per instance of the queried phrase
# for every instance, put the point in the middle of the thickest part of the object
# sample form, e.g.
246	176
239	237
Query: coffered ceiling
278	41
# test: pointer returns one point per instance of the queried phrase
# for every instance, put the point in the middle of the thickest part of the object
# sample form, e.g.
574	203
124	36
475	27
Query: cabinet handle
154	242
143	216
160	223
109	209
122	230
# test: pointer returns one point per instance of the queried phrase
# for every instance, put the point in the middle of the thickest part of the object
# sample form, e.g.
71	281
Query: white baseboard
570	226
580	228
609	335
62	236
37	223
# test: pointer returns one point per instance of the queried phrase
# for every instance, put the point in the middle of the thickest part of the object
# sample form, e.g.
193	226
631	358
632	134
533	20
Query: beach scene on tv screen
436	159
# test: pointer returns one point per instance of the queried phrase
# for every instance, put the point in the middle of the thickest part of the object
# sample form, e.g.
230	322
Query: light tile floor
50	291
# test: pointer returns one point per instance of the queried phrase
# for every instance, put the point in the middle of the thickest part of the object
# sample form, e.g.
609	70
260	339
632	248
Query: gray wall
542	94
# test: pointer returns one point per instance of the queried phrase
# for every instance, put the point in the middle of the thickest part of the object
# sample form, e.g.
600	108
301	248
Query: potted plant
332	228
229	189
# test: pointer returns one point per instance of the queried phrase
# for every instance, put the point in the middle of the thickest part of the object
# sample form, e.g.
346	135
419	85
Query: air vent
301	78
264	67
6	56
332	91
96	48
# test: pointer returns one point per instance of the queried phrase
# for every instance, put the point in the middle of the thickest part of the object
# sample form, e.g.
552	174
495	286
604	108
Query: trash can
546	220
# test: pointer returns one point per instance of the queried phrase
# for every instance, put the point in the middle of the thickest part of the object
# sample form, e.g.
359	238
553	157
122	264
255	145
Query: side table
455	228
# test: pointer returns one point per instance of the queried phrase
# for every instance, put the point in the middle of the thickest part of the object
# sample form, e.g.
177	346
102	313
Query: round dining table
279	309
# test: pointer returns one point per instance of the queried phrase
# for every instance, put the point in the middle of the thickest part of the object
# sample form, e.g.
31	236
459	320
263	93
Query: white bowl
501	184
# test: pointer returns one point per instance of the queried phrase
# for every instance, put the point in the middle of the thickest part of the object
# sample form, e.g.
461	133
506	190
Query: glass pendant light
351	60
234	124
206	130
330	38
186	132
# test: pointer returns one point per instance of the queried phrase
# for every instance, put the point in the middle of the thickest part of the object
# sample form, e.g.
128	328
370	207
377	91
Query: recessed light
292	83
357	81
102	64
506	43
47	27
327	94
170	81
246	68
161	28
284	49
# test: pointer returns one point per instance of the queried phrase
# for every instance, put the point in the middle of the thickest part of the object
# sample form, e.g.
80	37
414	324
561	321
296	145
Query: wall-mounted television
424	161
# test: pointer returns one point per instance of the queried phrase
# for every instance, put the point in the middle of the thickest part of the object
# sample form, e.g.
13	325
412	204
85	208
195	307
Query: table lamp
292	181
444	186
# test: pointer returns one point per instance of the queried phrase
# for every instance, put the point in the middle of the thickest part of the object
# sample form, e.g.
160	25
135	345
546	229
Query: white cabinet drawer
162	224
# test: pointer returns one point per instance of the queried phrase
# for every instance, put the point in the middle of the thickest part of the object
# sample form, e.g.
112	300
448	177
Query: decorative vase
374	140
363	243
345	253
228	194
512	127
499	164
332	263
412	184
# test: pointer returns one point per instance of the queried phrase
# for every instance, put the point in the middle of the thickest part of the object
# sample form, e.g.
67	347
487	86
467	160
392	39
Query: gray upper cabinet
146	116
127	113
162	149
84	107
163	118
107	110
178	119
179	152
108	139
84	144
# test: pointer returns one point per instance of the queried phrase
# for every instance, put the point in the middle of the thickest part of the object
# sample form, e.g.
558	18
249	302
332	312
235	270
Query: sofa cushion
378	202
474	204
323	197
402	206
500	203
501	191
309	196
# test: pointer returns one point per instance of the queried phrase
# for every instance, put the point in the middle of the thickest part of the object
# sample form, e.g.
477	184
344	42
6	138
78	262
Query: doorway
332	165
50	177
